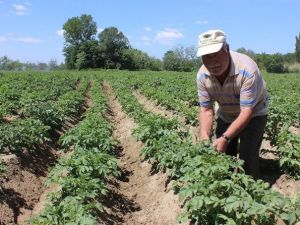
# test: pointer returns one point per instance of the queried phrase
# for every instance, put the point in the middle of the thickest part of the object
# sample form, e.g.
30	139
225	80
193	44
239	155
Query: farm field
120	147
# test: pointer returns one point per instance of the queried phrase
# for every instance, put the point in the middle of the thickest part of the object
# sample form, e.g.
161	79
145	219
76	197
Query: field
119	147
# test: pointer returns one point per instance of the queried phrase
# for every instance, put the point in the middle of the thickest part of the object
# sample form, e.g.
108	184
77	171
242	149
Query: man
234	81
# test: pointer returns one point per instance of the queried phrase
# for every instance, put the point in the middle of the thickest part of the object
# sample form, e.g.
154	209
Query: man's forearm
239	123
205	120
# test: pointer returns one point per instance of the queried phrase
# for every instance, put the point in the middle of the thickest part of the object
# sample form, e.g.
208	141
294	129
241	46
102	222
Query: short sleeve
204	98
248	93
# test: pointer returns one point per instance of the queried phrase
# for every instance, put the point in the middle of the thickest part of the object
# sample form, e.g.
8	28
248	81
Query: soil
140	196
23	182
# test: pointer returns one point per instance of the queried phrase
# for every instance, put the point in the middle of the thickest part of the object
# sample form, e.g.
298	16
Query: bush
292	68
274	64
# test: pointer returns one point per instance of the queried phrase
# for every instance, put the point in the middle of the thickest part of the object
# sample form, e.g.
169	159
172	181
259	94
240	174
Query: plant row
18	89
211	192
177	91
81	175
40	117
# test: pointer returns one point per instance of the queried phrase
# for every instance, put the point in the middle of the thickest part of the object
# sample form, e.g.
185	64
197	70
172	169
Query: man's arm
234	129
205	120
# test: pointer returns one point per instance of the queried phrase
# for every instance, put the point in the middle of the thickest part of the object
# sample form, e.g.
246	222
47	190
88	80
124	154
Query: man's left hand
220	144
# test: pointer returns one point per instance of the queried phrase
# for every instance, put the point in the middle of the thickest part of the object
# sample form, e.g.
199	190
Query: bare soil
23	183
139	196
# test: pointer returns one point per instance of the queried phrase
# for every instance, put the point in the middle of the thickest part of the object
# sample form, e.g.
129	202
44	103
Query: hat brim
208	49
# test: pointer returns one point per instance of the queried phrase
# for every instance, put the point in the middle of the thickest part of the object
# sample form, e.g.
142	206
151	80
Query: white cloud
60	32
201	22
3	39
167	36
29	40
147	28
20	9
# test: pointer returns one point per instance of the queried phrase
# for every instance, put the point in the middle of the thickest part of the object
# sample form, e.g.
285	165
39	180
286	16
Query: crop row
177	91
39	117
17	90
211	193
82	173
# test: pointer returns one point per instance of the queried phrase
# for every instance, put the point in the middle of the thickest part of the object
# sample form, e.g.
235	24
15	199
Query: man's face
218	62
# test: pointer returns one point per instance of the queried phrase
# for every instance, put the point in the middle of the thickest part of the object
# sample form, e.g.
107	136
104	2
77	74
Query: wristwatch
226	138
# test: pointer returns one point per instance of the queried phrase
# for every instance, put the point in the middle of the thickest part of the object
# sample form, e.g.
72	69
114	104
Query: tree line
110	49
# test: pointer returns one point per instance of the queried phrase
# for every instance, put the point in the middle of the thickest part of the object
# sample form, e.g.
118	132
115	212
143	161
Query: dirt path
139	197
151	106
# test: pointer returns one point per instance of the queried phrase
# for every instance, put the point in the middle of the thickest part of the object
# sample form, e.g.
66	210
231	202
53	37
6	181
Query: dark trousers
250	140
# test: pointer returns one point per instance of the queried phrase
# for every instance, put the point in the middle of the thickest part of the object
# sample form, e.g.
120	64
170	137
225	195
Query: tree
89	55
79	33
79	29
248	52
8	64
112	42
181	59
171	61
297	50
52	65
274	63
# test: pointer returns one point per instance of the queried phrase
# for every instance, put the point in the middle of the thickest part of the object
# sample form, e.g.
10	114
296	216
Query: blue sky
31	30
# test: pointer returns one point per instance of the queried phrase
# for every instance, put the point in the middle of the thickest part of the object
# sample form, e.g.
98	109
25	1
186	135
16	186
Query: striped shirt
243	87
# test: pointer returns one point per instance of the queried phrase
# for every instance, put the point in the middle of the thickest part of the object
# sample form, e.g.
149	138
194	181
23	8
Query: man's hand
220	144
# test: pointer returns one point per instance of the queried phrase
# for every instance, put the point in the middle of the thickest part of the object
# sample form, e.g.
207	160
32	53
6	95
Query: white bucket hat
210	42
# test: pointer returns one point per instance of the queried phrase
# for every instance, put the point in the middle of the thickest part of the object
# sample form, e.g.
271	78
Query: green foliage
289	150
8	64
81	49
275	64
211	192
77	30
112	43
82	175
181	59
69	211
134	59
28	133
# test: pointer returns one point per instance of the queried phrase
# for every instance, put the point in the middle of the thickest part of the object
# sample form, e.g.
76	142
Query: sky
31	30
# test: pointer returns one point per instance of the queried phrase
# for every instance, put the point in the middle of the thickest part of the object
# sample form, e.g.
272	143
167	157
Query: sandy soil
140	196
